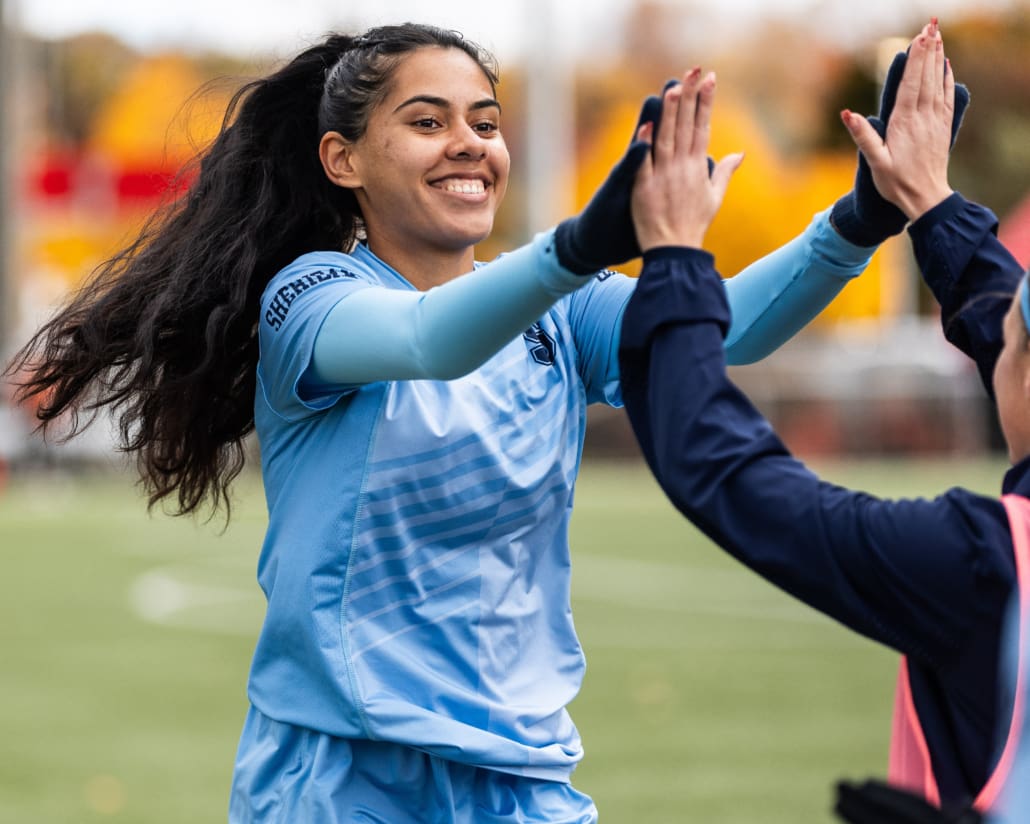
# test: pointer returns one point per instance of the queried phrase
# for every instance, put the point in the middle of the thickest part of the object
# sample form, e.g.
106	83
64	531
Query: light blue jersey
416	562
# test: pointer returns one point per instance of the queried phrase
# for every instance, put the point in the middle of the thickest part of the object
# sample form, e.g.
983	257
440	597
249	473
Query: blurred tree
780	95
779	99
992	157
991	161
156	118
81	72
110	159
785	179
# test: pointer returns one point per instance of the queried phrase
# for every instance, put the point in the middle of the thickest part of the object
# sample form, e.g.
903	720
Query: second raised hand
675	198
910	167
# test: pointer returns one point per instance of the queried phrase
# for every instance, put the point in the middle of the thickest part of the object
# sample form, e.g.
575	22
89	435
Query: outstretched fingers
940	63
702	131
949	91
912	79
665	141
931	84
945	81
686	123
675	198
686	145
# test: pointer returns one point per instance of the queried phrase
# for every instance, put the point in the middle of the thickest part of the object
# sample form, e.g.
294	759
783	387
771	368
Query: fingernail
845	115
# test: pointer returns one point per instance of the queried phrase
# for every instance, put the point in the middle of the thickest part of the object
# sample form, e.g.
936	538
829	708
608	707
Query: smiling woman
432	167
420	415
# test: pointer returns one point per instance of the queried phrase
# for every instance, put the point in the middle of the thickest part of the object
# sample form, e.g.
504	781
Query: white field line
173	596
199	598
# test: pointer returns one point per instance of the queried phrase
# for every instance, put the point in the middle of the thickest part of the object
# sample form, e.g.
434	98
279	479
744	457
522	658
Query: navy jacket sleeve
922	576
970	273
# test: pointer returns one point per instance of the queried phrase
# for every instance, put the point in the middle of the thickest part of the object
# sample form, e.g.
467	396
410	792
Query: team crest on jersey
541	345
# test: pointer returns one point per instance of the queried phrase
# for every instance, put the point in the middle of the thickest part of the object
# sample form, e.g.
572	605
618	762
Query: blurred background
100	110
125	640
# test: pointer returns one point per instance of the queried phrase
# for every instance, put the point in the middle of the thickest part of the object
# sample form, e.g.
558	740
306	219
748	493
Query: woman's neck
425	269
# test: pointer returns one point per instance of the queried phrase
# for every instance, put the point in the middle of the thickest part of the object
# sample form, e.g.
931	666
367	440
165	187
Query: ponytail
165	332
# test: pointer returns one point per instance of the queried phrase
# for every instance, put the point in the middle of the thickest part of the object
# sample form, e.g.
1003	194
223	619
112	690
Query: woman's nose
468	143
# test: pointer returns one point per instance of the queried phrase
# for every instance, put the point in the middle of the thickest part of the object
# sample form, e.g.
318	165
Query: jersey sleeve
777	295
595	317
919	575
444	332
972	275
293	308
320	343
770	301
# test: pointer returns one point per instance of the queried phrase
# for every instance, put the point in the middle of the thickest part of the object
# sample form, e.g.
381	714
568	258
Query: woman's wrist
690	239
919	203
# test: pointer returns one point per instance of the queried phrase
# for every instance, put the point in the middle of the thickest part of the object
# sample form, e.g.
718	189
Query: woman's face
1011	384
432	167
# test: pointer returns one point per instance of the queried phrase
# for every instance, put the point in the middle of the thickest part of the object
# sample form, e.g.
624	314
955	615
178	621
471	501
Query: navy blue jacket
929	578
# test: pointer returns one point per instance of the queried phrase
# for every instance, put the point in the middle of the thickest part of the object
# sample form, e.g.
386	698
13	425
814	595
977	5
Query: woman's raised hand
675	198
910	166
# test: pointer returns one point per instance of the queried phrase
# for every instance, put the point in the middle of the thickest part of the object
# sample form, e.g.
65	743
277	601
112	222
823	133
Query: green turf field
709	696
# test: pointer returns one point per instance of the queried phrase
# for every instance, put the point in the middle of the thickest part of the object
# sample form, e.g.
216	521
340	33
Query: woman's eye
426	122
486	127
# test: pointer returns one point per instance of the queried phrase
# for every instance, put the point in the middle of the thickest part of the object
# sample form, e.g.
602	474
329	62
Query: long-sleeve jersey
416	561
446	332
928	577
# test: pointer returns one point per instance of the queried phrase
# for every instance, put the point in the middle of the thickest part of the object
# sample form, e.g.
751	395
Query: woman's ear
338	159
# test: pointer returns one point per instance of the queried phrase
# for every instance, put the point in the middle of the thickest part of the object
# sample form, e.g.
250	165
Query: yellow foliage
71	249
154	118
71	253
771	200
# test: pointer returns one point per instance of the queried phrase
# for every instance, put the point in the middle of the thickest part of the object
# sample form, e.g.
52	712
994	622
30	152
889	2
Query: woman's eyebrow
443	103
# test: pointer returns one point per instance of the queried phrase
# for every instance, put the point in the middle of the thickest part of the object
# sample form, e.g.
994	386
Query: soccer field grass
709	695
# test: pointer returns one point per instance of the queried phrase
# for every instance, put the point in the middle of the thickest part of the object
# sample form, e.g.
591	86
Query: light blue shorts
291	775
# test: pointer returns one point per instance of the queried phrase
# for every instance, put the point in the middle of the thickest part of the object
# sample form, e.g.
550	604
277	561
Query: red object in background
54	181
52	175
147	184
58	177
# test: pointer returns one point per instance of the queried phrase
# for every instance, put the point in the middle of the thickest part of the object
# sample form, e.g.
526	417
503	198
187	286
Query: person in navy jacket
931	579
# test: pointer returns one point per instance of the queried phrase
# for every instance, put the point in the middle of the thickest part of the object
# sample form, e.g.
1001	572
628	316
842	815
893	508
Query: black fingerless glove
602	234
